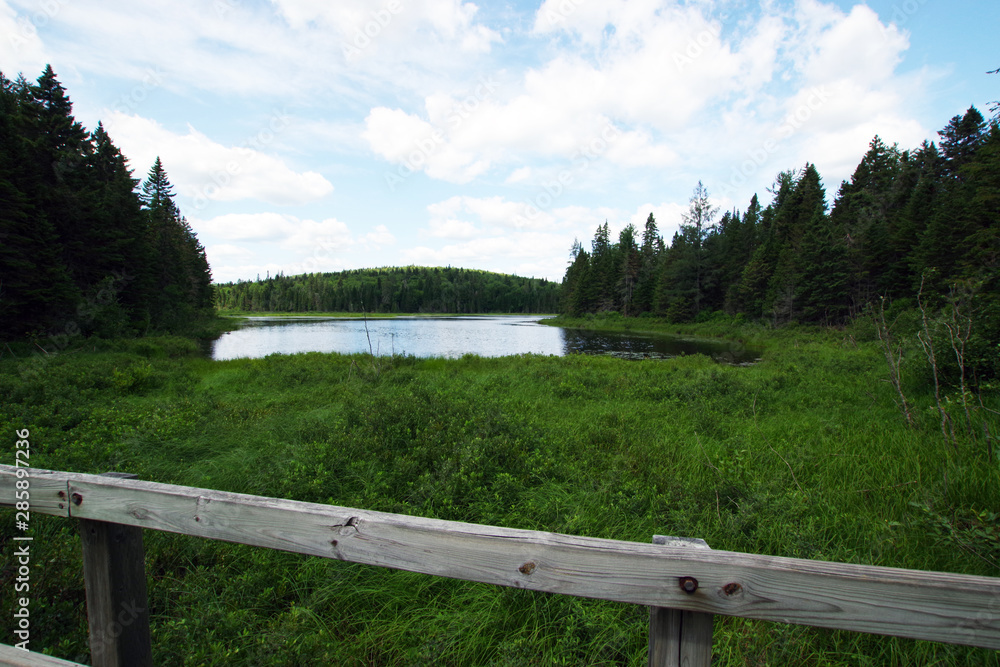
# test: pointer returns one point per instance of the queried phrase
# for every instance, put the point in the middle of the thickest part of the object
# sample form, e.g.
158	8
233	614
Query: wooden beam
939	606
15	657
114	574
679	638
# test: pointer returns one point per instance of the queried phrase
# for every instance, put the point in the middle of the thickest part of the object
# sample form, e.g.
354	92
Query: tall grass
802	455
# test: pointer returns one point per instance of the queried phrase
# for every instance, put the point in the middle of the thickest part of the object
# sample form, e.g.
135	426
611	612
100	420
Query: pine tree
960	139
36	292
650	253
866	210
686	274
630	264
181	276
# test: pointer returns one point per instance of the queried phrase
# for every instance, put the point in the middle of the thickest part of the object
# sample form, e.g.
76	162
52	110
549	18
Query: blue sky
318	136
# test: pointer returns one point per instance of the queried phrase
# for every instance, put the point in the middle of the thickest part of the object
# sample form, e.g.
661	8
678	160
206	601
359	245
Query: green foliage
906	218
82	252
411	289
801	455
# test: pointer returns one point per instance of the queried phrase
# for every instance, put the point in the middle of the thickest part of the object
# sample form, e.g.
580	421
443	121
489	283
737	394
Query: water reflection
652	346
453	337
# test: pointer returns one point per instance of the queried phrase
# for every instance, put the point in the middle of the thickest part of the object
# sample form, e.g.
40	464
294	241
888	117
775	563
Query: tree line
411	289
909	223
82	250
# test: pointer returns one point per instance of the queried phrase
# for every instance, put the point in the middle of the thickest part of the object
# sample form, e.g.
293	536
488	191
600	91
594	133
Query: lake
452	337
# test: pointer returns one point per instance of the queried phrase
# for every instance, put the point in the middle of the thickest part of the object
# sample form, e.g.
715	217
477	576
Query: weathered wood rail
938	606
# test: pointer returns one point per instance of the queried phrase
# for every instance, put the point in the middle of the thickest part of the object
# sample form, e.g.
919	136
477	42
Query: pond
487	336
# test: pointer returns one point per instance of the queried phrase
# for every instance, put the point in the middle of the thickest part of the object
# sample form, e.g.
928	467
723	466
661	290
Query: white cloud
303	245
228	251
226	273
856	45
289	232
447	145
364	27
247	226
493	233
21	48
662	77
518	175
634	99
206	170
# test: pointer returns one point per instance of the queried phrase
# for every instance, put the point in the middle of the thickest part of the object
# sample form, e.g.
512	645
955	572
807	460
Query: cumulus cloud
204	169
303	244
290	232
678	87
489	232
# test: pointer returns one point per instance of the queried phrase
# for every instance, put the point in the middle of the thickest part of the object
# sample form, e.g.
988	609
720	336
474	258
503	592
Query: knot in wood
732	588
689	584
527	568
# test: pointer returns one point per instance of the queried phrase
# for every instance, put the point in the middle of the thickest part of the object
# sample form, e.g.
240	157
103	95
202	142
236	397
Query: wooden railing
684	586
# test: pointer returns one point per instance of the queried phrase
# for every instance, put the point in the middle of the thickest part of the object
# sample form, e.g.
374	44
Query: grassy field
804	454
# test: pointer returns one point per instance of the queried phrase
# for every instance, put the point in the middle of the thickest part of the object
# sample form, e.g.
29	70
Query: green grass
802	455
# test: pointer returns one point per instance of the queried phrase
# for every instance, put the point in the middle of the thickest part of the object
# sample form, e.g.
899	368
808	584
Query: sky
306	136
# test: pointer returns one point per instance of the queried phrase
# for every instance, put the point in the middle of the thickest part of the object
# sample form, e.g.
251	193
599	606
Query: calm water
453	337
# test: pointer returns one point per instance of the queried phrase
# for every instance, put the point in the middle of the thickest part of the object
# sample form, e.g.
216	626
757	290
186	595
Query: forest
911	226
83	252
409	289
815	452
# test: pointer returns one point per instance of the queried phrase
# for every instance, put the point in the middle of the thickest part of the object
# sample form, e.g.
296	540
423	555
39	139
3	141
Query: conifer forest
911	225
83	244
862	430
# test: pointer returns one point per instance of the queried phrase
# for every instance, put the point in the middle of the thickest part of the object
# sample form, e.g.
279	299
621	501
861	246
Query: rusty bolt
76	498
62	494
689	585
527	568
732	589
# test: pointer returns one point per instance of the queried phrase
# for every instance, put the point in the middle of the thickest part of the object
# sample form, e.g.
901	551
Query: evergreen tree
630	265
650	253
687	277
602	278
35	288
960	139
181	276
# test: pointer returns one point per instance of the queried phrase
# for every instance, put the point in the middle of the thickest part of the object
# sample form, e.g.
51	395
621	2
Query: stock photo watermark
698	44
585	155
22	550
103	638
87	311
902	13
125	104
363	35
756	158
27	26
251	147
130	101
562	11
424	148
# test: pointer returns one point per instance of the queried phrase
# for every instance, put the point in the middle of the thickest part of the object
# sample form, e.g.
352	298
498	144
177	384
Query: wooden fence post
114	573
679	638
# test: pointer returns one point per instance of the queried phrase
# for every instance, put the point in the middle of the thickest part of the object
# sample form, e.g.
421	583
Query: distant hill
411	289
